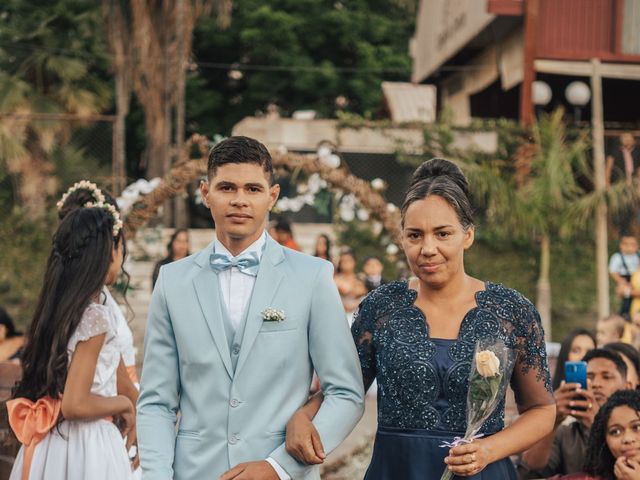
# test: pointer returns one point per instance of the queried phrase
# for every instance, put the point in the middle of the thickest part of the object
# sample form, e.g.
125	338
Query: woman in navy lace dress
418	338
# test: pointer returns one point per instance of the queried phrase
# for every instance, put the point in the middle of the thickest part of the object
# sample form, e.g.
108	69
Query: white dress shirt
237	288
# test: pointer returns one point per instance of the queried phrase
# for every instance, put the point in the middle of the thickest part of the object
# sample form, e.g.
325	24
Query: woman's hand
470	459
626	469
303	441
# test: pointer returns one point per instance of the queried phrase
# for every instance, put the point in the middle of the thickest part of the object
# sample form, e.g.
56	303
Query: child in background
622	265
66	407
610	329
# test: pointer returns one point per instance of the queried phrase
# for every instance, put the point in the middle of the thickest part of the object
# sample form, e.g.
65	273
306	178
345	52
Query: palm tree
150	42
43	73
537	196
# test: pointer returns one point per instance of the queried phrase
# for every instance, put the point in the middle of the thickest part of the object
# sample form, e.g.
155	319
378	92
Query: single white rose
487	364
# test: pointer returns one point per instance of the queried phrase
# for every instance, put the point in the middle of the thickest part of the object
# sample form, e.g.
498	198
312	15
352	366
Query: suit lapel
264	290
208	292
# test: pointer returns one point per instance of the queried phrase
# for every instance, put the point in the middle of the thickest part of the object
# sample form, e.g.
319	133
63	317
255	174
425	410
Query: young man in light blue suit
233	336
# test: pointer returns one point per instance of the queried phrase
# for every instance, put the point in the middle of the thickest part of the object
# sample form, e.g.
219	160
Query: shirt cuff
279	470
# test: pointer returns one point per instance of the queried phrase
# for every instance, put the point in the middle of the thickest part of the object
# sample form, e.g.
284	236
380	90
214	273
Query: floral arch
188	169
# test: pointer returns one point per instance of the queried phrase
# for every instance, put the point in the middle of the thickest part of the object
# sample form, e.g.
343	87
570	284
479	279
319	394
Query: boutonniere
272	315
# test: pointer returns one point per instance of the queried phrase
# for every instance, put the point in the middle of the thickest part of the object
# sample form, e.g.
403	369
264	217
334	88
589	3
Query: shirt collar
257	247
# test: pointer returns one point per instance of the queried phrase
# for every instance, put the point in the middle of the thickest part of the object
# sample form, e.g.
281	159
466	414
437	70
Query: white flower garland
132	193
96	193
117	221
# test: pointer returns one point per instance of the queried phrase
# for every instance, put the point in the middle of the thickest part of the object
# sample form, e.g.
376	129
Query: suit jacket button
233	439
234	402
236	349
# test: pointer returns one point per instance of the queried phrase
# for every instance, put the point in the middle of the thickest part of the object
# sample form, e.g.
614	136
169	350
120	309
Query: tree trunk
543	303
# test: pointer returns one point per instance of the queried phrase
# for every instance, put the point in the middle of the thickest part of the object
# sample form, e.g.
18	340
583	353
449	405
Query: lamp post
577	94
540	94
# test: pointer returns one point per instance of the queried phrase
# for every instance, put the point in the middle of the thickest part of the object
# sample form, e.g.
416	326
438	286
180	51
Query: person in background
631	357
372	268
11	341
323	247
610	329
350	287
284	234
177	248
573	347
563	451
613	451
623	164
622	265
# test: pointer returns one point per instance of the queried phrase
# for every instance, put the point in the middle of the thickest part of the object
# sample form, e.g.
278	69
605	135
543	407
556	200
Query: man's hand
303	441
260	470
573	400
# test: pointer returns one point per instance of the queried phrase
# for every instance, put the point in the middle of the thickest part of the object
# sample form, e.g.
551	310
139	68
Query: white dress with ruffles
83	450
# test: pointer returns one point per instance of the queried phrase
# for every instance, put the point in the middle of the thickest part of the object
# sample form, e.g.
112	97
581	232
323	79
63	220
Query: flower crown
117	222
96	193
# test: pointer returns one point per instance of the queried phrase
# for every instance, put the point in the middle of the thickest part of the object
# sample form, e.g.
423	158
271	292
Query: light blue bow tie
248	263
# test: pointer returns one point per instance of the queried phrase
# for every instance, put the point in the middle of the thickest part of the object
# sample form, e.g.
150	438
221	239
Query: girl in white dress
67	410
76	197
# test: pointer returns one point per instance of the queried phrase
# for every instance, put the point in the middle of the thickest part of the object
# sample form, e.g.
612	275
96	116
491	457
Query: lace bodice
422	382
96	320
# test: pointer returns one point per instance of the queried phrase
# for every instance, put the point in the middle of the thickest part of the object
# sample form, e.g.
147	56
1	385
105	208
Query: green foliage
24	247
300	54
516	263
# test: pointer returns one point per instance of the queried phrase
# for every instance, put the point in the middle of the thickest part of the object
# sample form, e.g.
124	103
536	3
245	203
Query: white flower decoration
273	315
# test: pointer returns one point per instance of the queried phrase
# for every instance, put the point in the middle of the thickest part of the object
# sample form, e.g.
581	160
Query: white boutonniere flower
273	315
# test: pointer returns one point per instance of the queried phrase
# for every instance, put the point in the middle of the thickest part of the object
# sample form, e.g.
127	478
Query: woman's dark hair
173	239
75	274
239	149
628	351
442	178
608	355
599	459
563	356
78	199
327	241
344	253
6	320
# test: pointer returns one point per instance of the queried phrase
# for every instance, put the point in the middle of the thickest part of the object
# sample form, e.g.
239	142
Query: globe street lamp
540	95
578	94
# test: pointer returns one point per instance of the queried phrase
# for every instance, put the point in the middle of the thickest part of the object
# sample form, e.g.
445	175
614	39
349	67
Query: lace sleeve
362	330
531	382
95	321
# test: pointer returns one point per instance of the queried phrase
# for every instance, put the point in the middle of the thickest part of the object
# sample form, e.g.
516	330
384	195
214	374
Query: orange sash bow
31	422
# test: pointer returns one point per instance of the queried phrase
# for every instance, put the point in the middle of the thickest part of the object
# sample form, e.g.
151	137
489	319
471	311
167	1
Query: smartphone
576	372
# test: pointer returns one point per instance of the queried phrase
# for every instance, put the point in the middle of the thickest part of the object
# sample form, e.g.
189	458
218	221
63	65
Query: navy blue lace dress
422	381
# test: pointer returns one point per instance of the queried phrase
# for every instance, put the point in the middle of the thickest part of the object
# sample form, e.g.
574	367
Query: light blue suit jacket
232	416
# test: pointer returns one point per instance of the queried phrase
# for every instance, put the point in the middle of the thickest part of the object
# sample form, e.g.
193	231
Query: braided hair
75	274
599	460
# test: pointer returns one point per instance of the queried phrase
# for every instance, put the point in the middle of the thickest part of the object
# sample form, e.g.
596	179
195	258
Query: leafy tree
317	54
49	56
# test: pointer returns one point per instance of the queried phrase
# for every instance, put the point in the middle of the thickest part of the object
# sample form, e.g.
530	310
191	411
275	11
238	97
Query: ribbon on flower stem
457	441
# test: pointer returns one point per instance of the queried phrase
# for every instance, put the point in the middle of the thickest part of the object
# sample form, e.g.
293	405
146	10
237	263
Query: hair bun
439	167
